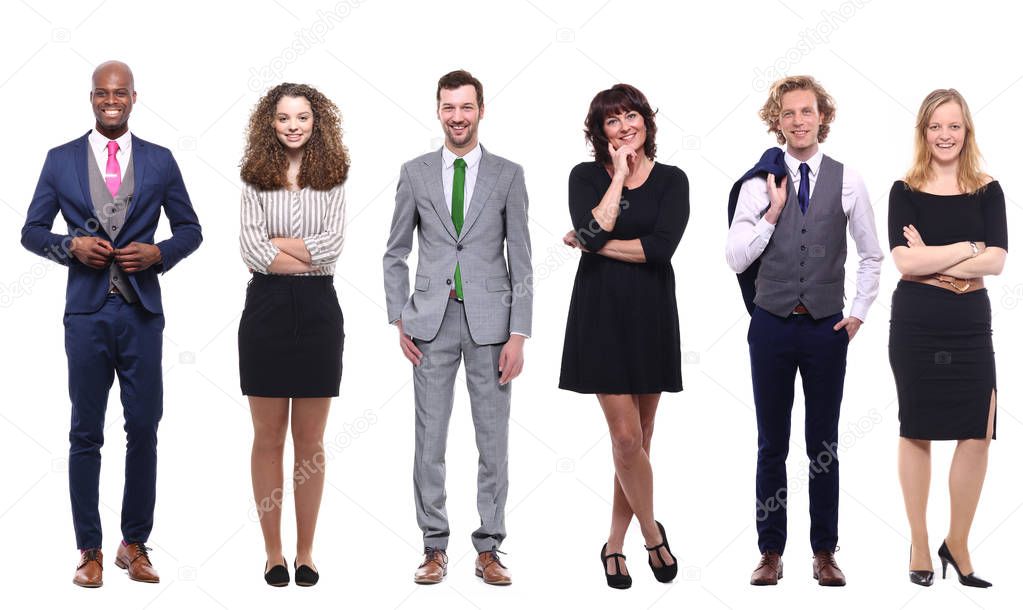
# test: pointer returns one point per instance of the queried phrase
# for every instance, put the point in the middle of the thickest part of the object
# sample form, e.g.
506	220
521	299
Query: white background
200	68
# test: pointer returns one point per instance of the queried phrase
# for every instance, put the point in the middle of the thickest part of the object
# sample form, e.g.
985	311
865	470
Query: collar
98	142
471	158
814	162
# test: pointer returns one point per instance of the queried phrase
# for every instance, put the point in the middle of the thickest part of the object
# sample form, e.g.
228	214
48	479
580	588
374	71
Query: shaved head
112	97
99	74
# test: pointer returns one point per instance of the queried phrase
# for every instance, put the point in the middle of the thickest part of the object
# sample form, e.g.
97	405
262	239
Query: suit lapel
434	177
486	177
139	156
81	160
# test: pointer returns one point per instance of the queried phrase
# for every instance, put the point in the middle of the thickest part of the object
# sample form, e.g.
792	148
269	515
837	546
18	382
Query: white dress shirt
98	142
750	232
472	169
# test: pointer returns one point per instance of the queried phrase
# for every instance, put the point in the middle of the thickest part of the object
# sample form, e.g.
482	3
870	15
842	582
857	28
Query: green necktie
458	214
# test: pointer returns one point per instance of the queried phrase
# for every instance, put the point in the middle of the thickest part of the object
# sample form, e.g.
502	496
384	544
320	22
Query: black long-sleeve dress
622	335
939	344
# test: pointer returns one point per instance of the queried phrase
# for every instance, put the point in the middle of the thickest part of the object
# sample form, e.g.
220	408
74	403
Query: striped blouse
317	217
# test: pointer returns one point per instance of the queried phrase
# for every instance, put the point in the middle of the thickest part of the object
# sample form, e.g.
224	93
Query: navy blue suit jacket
771	162
64	187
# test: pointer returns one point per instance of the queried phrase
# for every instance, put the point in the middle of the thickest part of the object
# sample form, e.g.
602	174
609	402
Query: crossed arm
956	260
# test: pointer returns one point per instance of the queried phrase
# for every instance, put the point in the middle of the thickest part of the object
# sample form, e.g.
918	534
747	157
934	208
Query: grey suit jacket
498	292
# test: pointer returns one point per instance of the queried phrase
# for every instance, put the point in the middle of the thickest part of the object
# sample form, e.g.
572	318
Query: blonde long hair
970	178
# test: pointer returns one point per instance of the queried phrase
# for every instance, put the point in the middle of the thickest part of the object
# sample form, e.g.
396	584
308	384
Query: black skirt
291	337
941	354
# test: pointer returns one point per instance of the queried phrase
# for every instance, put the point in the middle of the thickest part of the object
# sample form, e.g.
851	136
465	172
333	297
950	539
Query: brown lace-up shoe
491	570
134	557
89	573
434	567
769	571
826	571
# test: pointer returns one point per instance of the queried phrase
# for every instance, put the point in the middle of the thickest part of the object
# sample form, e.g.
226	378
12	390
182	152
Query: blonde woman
947	230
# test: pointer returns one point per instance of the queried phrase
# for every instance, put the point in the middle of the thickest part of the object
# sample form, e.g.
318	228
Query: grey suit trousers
434	380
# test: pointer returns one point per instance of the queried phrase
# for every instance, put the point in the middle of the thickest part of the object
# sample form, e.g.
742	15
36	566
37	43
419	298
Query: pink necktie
113	176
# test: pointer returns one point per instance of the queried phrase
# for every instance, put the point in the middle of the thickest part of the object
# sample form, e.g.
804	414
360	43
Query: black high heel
277	576
617	580
664	573
305	576
970	580
924	578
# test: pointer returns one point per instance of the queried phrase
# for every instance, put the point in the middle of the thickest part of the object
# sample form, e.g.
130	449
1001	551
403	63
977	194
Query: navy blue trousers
127	340
778	347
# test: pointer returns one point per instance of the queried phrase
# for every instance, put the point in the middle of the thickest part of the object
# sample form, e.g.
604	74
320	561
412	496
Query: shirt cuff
764	229
519	334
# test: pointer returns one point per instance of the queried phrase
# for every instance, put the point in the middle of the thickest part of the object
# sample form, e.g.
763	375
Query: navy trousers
779	347
127	340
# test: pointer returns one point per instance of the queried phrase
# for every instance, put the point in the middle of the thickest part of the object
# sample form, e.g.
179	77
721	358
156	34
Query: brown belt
952	284
801	309
453	295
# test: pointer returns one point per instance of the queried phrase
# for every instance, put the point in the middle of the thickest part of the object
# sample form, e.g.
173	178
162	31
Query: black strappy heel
664	573
617	580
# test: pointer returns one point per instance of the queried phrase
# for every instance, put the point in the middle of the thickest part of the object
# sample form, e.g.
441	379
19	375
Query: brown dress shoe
491	570
90	569
434	567
769	571
826	571
134	557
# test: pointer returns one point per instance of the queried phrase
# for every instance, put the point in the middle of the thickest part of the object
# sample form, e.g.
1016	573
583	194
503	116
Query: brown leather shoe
826	571
491	570
434	567
769	571
89	573
134	557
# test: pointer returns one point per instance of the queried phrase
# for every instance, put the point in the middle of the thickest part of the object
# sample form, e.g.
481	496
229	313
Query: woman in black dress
622	336
291	334
947	230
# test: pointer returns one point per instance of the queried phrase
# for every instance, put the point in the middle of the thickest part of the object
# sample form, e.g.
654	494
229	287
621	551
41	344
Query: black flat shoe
664	573
617	580
970	580
277	576
924	578
306	576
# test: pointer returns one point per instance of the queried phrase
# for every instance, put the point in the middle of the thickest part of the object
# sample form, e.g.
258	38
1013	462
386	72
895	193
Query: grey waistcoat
111	212
805	259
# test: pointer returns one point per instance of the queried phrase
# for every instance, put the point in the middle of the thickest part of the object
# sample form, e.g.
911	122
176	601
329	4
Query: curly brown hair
617	99
771	110
325	159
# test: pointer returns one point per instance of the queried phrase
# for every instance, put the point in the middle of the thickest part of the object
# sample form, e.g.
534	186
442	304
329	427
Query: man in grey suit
467	206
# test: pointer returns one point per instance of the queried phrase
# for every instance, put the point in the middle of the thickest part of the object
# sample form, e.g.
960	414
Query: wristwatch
976	250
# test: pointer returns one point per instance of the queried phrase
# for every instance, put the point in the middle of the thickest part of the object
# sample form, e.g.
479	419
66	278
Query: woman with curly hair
291	334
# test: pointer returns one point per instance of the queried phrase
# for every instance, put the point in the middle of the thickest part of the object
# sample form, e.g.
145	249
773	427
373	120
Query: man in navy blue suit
110	187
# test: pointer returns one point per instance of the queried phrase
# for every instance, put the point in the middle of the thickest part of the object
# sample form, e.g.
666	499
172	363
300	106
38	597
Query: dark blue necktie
804	187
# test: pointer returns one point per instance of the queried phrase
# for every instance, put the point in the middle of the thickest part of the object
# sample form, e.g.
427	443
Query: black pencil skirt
941	353
291	337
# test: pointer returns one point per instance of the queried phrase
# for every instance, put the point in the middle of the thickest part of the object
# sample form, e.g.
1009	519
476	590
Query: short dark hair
617	99
459	78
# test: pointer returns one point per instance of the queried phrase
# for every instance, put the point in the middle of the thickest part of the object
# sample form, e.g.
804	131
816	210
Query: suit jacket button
448	281
458	247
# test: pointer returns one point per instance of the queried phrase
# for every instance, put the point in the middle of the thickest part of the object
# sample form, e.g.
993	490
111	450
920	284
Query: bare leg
308	421
965	480
915	477
634	477
270	428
